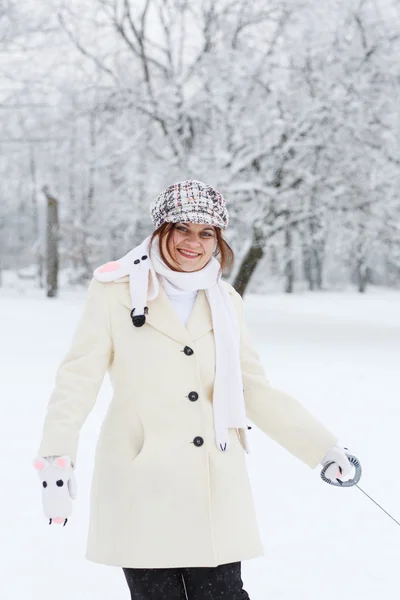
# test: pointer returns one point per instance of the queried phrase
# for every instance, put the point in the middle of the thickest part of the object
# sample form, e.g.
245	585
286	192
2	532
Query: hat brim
197	217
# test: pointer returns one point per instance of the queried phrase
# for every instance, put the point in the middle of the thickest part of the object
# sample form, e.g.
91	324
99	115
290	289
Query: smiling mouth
187	254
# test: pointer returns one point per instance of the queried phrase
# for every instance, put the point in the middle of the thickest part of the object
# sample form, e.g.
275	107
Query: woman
171	501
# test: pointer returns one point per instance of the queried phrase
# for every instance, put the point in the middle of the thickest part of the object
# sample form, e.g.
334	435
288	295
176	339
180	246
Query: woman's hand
337	455
58	486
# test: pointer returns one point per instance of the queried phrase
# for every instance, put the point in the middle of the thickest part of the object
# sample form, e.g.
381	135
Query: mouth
188	254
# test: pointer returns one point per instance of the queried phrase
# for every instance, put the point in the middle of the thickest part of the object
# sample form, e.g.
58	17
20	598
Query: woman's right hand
58	486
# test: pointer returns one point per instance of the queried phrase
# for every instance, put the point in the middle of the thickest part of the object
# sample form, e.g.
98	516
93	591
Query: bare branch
99	64
140	38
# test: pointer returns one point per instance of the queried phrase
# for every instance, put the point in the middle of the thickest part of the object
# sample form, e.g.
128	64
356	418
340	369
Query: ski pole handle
338	482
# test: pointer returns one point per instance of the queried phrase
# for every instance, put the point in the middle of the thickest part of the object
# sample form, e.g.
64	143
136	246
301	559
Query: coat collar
163	317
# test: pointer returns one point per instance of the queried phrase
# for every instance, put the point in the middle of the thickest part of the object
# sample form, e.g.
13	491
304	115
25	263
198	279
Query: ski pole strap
338	482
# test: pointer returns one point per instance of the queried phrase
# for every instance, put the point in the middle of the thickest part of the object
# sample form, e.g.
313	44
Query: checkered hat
192	201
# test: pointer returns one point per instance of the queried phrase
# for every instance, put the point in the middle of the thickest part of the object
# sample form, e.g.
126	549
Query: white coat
163	494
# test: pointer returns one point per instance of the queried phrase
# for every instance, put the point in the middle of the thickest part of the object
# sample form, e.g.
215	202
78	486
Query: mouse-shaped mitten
58	486
341	467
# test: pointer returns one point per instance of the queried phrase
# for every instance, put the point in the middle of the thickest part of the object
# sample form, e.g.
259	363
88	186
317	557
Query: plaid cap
191	201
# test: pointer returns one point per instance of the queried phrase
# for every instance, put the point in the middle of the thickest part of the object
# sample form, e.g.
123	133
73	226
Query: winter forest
290	108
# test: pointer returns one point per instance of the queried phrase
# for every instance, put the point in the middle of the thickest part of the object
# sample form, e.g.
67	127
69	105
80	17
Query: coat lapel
162	315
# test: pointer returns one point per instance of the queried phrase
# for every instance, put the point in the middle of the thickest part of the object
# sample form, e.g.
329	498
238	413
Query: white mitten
58	486
337	455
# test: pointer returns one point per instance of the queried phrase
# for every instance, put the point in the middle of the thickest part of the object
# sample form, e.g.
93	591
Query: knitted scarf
228	399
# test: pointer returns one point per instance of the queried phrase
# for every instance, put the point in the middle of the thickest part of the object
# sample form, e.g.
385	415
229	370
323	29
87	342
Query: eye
60	483
181	228
45	484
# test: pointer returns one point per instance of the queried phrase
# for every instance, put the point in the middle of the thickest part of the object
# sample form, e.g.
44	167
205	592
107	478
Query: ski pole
351	482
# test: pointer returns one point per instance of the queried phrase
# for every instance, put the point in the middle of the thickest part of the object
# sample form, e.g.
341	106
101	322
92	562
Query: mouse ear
62	462
40	463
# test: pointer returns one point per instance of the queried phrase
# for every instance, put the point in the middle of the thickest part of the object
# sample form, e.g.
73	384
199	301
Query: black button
188	351
144	257
198	441
193	396
136	262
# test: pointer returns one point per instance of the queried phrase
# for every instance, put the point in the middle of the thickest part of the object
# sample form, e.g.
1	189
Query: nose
192	240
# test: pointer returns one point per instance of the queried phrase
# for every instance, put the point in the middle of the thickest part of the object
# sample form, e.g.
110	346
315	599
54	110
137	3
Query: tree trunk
41	267
308	272
52	233
89	201
75	232
361	255
363	275
274	261
319	266
249	262
289	267
35	216
307	256
362	281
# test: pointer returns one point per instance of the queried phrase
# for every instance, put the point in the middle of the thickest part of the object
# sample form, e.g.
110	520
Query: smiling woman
188	247
171	500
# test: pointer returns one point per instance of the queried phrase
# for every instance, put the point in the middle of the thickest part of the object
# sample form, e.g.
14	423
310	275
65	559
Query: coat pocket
122	436
137	436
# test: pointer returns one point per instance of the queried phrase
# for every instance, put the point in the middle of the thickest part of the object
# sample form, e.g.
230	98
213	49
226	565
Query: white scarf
228	399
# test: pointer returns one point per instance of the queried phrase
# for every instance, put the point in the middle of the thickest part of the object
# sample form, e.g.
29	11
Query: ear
62	462
40	463
109	267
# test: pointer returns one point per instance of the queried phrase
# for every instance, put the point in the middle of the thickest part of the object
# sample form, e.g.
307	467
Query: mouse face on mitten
56	476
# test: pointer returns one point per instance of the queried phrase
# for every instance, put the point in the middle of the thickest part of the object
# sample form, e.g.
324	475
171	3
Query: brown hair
223	248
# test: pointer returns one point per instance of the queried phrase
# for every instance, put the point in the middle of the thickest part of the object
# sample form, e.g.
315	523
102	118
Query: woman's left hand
337	455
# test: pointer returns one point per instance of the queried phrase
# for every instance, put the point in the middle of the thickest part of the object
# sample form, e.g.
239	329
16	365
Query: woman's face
191	245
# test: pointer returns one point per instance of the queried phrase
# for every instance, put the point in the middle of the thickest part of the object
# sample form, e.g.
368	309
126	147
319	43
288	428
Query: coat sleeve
79	376
277	414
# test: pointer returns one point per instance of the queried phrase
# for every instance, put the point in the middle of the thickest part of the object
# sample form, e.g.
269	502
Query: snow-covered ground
336	352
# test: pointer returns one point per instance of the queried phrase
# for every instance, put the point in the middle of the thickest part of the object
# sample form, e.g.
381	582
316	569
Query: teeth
189	253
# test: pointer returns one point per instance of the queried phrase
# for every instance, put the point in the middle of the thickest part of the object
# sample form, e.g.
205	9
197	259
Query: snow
338	353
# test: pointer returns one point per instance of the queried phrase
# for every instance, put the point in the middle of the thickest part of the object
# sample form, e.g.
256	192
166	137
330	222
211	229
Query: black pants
187	583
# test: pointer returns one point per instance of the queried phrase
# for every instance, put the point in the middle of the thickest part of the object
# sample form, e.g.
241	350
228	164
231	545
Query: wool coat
162	493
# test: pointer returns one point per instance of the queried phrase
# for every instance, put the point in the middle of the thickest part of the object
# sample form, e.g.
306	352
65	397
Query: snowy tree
289	108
